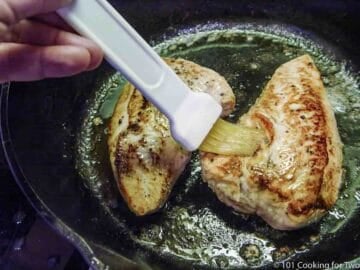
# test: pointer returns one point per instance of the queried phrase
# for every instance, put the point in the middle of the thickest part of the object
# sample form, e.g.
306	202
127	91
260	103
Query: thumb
12	11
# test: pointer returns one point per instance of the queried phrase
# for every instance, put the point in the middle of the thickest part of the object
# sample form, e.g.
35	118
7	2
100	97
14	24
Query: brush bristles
229	139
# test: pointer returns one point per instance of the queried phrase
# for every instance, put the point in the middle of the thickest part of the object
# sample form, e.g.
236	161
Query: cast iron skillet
43	126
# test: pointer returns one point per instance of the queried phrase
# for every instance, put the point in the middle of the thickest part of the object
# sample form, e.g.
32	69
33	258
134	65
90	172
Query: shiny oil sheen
194	226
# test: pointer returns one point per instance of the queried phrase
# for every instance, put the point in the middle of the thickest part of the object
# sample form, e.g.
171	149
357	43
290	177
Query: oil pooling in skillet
194	225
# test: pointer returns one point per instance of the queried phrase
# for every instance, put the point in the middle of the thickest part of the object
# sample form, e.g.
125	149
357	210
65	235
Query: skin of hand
35	43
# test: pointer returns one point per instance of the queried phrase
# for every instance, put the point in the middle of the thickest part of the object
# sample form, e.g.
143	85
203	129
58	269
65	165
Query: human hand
35	43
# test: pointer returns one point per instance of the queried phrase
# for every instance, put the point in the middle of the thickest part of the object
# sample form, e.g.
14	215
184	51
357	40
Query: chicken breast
294	178
145	159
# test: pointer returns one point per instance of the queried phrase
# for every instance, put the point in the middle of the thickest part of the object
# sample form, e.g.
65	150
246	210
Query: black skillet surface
40	130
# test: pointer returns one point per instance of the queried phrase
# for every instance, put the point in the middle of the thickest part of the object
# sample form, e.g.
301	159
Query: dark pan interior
48	122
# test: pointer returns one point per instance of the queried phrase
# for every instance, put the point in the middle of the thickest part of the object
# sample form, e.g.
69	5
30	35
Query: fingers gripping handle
191	114
124	48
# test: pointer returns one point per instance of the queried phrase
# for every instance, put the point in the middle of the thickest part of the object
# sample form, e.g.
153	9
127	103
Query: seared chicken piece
295	176
145	159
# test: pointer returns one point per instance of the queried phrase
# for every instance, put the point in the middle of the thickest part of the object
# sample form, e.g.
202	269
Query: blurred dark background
26	241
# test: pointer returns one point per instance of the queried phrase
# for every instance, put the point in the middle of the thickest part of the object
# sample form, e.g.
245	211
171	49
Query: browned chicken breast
295	176
145	159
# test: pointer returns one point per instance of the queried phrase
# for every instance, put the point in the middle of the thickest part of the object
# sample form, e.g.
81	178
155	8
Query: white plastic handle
127	51
124	48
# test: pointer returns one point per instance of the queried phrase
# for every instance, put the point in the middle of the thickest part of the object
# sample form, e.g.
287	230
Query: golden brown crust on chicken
295	177
202	79
145	159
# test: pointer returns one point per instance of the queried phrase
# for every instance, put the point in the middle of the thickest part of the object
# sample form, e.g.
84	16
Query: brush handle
129	53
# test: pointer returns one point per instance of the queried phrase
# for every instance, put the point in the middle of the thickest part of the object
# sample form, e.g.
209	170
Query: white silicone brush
191	115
